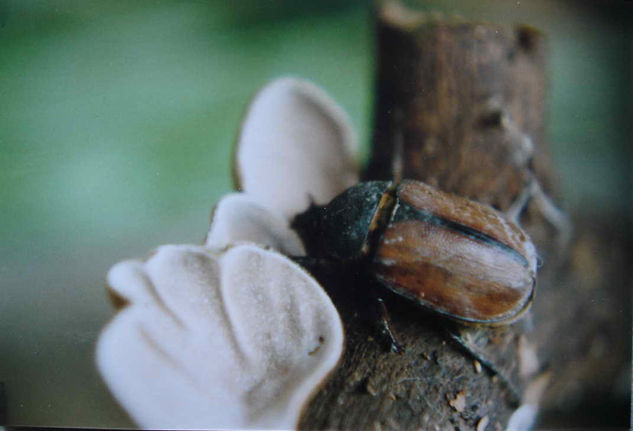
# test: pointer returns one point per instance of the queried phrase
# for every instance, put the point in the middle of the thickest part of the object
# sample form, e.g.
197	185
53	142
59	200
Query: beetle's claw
389	338
397	348
385	330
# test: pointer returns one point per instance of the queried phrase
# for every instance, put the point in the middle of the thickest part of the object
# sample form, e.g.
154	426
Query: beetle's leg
554	216
491	367
384	324
376	306
514	212
523	151
379	316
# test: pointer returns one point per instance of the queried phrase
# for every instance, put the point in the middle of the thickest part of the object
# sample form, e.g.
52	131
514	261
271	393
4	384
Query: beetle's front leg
376	313
371	305
384	326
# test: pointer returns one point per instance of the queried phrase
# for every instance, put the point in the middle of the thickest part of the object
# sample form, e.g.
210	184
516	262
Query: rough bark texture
467	94
456	101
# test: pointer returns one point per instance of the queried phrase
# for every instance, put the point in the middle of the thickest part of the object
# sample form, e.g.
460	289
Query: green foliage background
116	125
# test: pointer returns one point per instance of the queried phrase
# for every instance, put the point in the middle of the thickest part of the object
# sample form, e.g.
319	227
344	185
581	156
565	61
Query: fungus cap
296	146
234	339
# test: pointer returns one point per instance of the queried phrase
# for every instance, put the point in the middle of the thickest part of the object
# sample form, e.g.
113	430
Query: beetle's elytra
457	257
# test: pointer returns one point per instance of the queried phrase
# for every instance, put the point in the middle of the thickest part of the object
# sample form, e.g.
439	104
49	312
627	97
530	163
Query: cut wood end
398	15
395	13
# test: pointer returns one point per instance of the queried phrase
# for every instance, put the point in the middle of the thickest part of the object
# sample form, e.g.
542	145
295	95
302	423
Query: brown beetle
456	257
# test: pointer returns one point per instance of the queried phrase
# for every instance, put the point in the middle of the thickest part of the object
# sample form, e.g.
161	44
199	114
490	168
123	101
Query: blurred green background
116	125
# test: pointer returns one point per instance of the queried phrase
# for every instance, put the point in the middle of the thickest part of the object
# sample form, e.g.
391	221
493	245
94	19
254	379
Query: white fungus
296	146
233	334
237	339
239	218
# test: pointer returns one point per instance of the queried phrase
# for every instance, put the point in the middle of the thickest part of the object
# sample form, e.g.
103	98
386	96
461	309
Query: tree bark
461	106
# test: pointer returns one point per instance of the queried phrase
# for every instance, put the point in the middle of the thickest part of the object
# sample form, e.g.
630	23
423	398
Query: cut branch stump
460	106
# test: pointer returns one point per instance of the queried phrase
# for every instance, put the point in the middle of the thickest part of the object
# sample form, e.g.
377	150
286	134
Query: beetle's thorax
348	226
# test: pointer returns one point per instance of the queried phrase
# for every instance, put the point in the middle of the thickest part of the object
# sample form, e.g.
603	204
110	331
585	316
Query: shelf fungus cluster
232	333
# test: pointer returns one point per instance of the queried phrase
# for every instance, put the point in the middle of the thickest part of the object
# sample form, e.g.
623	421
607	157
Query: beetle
455	257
